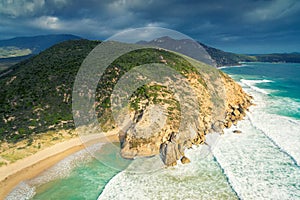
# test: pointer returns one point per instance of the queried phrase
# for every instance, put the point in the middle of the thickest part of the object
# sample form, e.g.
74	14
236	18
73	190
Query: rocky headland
166	123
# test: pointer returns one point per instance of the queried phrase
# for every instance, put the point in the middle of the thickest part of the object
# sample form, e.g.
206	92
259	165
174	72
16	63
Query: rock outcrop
170	115
185	160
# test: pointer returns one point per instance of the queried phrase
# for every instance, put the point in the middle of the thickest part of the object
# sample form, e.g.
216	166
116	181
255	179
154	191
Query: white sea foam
252	84
23	191
200	179
26	189
283	131
256	168
263	161
242	65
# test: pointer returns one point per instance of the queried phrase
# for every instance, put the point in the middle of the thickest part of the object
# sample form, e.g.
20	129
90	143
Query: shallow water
79	176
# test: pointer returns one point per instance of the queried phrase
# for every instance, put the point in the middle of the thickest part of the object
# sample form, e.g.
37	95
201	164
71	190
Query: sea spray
283	131
255	167
200	179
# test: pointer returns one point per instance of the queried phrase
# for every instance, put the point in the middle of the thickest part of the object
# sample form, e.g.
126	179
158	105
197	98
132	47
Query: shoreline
11	175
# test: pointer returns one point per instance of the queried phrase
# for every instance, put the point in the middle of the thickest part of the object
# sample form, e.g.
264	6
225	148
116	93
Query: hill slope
36	97
36	94
217	57
223	58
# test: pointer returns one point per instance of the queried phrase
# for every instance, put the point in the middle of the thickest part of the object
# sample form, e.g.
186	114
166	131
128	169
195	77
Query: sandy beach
11	175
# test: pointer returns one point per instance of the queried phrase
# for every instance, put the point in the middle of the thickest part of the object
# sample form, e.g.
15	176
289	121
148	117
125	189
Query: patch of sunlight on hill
8	52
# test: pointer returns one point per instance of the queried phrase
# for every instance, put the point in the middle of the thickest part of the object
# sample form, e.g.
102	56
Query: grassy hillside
36	95
36	102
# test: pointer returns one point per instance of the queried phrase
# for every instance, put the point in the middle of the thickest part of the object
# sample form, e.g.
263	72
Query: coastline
11	175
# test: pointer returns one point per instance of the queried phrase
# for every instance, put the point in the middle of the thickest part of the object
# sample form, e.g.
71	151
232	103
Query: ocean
260	163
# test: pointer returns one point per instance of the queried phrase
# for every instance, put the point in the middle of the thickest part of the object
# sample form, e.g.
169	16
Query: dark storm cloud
241	26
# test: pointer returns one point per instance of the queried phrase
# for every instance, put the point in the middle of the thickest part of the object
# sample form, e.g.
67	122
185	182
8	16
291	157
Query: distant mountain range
185	46
217	57
37	43
223	58
17	49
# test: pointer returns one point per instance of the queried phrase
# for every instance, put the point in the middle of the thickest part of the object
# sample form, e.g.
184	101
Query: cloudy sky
248	26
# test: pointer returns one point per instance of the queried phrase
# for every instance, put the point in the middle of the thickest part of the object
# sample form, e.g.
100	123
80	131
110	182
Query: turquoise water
87	179
79	176
282	84
260	163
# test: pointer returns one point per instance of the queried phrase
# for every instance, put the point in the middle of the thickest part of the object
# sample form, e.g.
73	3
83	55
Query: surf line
227	178
273	142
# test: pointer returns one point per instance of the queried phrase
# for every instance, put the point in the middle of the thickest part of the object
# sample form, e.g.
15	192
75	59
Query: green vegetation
125	63
279	57
36	95
223	58
2	163
7	52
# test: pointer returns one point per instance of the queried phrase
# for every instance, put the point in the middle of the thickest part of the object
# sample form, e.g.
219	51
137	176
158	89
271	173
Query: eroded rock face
169	153
220	104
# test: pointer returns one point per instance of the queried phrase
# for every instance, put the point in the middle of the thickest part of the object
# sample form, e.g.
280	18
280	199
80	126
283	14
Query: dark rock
185	160
181	149
237	131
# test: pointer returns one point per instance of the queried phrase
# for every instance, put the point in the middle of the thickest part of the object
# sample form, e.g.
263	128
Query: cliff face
172	122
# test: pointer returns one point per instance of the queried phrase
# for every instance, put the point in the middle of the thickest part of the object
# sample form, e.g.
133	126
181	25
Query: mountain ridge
220	58
37	43
30	45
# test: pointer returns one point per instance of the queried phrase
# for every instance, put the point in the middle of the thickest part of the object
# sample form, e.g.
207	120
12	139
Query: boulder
229	124
169	153
236	112
185	160
237	131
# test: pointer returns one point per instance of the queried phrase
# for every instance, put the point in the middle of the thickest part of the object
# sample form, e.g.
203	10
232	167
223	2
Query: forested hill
36	94
223	58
